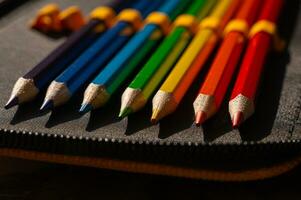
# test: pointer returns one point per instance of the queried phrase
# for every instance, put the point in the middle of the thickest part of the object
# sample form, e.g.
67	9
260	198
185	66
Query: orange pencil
220	74
192	61
241	104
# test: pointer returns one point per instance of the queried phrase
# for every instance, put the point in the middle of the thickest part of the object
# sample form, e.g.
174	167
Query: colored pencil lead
95	96
241	104
58	93
204	104
85	108
47	105
237	119
125	112
200	118
13	101
155	117
133	99
163	102
24	90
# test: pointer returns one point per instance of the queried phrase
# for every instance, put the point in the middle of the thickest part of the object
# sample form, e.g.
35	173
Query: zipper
187	154
156	169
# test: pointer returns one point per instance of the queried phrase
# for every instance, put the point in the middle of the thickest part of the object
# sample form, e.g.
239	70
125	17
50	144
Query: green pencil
131	55
157	67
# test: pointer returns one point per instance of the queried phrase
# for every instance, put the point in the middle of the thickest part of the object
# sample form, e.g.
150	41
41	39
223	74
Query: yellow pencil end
156	116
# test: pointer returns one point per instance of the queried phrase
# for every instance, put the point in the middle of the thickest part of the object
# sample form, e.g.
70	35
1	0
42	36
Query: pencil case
267	145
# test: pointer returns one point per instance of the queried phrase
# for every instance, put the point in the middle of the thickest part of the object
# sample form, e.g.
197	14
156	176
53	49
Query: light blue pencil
40	76
93	59
128	59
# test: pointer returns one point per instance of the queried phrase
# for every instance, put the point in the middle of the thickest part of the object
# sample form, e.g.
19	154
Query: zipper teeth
155	143
194	155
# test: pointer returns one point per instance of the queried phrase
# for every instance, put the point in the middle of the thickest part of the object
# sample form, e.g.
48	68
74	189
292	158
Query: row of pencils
164	45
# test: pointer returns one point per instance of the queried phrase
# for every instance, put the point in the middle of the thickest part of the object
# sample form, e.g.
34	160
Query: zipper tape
156	169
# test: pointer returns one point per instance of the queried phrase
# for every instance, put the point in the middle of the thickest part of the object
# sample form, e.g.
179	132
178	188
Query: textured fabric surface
277	117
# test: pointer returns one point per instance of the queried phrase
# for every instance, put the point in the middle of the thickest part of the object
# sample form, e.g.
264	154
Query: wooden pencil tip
125	112
13	101
155	116
200	118
85	108
154	121
237	119
47	105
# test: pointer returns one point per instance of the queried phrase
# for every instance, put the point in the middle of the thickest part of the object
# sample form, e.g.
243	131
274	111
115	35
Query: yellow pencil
175	86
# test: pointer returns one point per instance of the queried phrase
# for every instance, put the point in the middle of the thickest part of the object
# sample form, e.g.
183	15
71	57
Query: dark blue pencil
29	85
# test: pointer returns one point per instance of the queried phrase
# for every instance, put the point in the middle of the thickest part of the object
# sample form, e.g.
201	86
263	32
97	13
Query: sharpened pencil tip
154	121
13	101
47	105
85	108
125	112
155	116
200	118
237	119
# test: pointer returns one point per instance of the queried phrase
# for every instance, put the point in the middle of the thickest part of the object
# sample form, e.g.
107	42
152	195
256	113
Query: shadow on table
105	115
183	117
140	120
28	110
67	112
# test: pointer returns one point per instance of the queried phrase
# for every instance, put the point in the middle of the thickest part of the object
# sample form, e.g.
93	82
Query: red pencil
241	104
220	74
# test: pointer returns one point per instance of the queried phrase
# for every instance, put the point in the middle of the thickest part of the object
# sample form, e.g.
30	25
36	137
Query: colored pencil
29	85
178	81
152	73
128	59
221	72
93	59
241	104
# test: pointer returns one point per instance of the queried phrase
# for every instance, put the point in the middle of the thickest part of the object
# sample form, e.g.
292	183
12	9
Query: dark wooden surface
29	180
